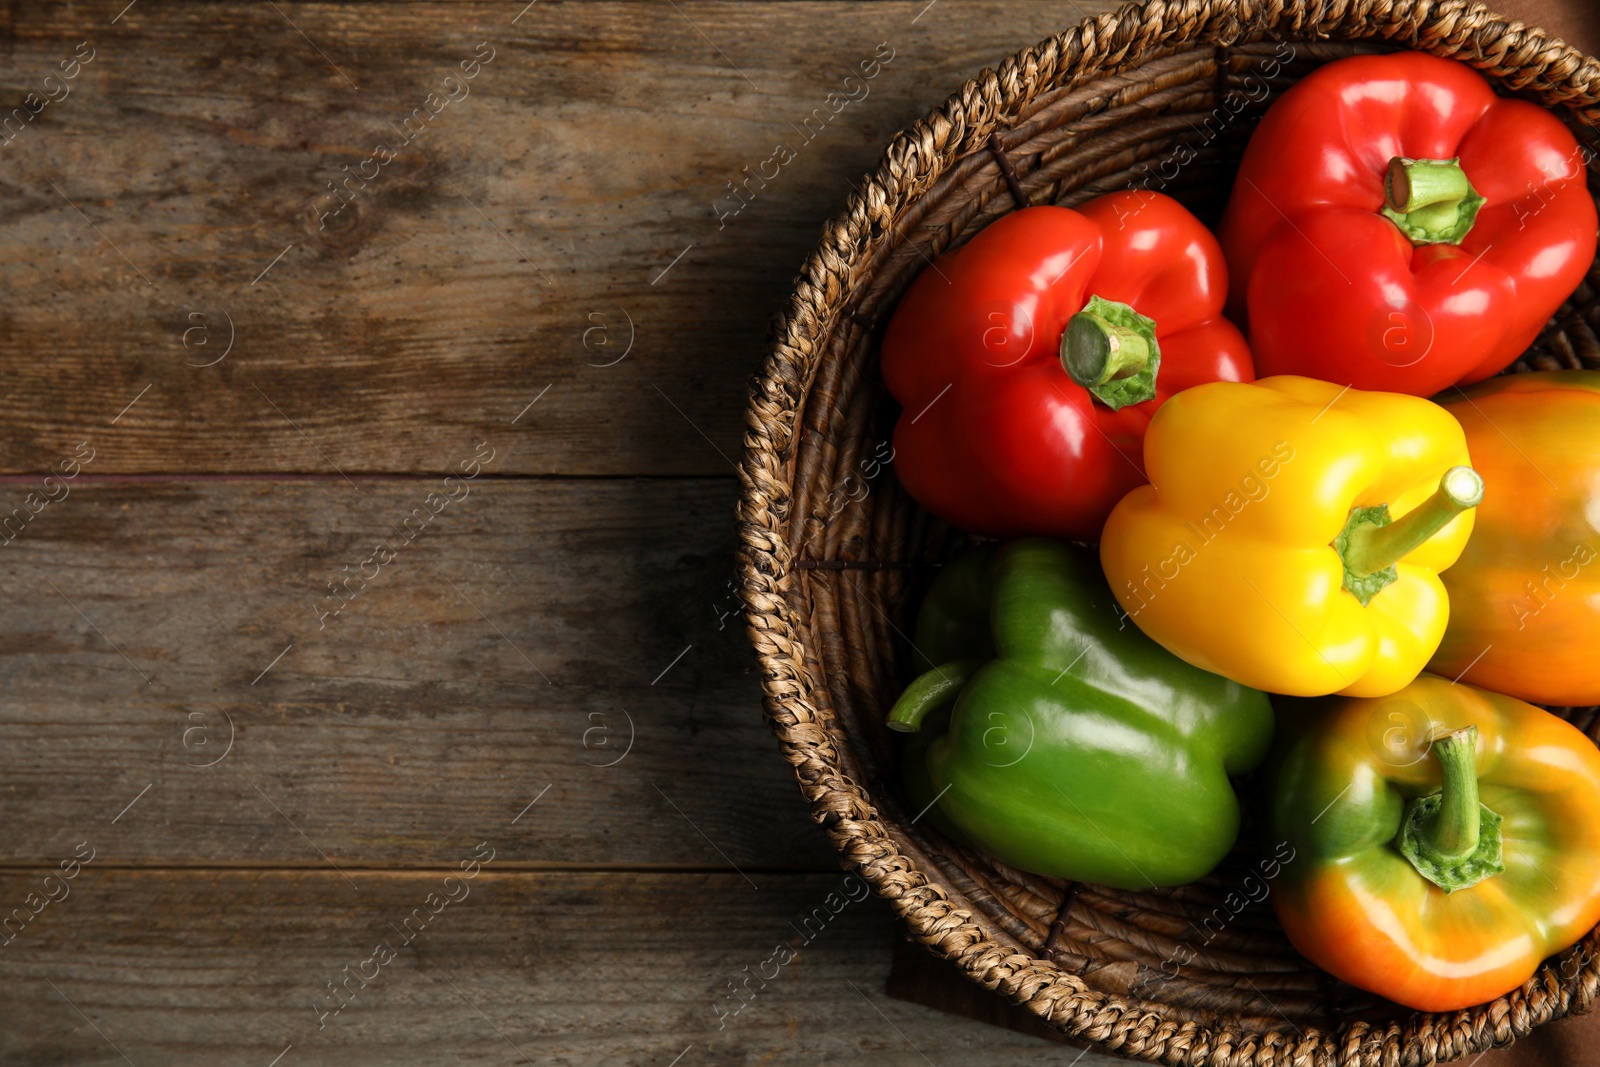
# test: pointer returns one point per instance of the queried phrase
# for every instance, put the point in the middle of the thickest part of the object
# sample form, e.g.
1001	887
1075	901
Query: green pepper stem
1095	351
1372	548
1415	183
1453	832
1450	837
930	691
1431	200
1111	350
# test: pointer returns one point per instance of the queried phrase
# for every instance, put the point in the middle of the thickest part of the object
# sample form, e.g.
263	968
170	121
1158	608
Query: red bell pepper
1397	226
1029	362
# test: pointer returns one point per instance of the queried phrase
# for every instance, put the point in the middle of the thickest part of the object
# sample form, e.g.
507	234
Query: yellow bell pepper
1292	534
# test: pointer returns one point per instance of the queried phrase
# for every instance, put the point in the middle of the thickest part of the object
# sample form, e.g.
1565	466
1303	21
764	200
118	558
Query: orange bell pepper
1445	840
1525	594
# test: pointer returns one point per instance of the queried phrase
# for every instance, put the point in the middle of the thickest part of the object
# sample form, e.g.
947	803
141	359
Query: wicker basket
834	553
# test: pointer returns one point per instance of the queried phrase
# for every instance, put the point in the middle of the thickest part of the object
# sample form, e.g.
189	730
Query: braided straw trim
787	471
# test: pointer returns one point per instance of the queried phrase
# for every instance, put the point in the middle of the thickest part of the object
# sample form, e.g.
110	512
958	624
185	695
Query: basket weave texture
833	553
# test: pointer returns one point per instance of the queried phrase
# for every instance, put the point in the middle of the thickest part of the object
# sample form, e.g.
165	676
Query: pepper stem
930	691
1431	200
1454	830
1371	543
1450	837
1111	350
1095	351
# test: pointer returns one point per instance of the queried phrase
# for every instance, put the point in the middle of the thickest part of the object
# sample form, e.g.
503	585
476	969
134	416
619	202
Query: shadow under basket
833	553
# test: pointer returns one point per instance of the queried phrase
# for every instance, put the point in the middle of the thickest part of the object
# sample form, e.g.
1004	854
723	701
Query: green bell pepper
1055	736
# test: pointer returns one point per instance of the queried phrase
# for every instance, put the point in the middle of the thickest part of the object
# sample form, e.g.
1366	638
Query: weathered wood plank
185	967
536	215
142	617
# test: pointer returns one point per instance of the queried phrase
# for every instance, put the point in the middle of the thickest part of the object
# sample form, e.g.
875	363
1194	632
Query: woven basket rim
1521	57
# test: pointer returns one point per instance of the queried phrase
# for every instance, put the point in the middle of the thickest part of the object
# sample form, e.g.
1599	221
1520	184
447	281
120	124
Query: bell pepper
1029	361
1062	742
1525	595
1397	225
1293	532
1445	840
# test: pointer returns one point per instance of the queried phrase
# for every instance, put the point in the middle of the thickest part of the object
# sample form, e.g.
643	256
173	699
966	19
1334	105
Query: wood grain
505	250
574	968
141	617
166	212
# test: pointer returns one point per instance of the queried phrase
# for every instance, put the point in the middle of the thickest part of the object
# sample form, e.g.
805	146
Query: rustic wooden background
553	672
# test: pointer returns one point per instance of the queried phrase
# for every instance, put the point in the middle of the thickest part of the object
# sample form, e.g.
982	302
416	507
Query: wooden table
370	379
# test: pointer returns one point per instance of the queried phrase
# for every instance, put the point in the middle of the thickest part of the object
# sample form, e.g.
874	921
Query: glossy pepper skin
1331	287
1525	595
996	437
1346	776
1062	742
1232	557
